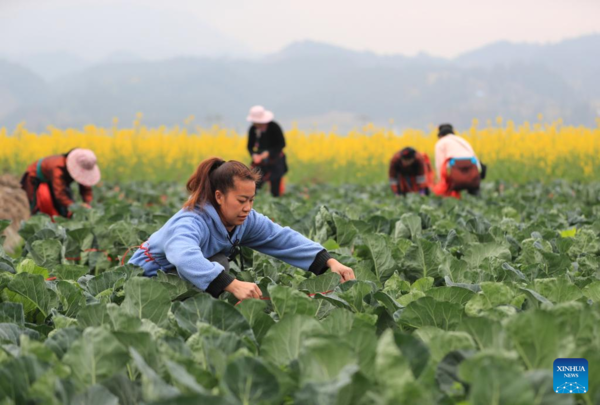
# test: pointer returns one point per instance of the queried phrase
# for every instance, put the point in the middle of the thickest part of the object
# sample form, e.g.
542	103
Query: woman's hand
345	272
256	159
243	290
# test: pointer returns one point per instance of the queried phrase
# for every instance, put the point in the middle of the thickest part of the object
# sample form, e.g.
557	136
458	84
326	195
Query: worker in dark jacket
410	172
265	144
47	181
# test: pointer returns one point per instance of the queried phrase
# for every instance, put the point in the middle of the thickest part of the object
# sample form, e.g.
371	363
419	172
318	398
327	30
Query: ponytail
215	174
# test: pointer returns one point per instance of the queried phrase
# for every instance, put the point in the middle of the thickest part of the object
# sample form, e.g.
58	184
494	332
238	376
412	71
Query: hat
83	168
408	153
258	115
445	129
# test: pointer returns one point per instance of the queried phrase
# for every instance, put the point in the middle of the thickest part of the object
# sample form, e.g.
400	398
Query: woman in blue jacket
217	218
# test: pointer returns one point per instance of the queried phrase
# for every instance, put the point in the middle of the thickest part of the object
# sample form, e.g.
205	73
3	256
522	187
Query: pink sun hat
258	115
83	167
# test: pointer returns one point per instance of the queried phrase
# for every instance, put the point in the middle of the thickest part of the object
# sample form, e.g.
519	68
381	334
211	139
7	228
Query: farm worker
265	144
410	172
456	164
199	240
47	181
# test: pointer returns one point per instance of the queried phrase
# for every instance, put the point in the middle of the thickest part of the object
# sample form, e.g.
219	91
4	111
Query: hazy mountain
583	50
578	59
318	84
52	65
22	94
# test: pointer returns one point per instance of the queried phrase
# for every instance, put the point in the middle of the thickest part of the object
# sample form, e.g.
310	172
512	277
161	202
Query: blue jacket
189	237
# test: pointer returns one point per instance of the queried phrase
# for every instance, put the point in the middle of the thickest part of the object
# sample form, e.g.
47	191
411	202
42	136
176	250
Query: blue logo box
570	376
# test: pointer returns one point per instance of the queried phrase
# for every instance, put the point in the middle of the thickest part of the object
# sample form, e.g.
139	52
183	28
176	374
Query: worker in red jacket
47	181
458	168
410	172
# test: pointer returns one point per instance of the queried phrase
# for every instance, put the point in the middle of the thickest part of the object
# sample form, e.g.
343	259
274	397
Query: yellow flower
513	153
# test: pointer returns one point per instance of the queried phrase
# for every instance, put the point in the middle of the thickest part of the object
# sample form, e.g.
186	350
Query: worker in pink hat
47	181
265	144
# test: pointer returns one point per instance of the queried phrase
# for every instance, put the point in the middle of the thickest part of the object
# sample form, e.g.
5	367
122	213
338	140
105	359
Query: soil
13	206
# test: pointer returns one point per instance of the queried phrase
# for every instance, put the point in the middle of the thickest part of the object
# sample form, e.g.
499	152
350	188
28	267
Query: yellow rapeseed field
513	153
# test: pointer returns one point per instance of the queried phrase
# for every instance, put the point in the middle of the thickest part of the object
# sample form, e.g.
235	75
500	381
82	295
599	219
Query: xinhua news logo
570	376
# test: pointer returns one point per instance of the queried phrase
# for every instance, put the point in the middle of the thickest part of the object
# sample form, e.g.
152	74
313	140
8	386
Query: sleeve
468	146
440	157
277	141
182	249
86	193
421	177
60	188
393	173
284	244
251	140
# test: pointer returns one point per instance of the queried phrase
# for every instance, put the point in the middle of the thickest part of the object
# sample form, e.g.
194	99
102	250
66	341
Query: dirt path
13	206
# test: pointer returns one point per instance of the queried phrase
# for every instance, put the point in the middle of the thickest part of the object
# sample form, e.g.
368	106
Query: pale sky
165	28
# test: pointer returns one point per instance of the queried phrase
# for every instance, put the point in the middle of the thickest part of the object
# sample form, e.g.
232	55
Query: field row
456	302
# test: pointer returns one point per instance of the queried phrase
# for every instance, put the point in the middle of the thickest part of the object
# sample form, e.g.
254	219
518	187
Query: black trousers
275	186
222	260
473	191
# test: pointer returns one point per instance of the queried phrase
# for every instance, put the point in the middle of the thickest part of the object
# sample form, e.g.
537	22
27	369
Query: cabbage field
456	302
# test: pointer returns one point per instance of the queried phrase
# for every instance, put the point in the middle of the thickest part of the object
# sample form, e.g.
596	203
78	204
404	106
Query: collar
219	226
